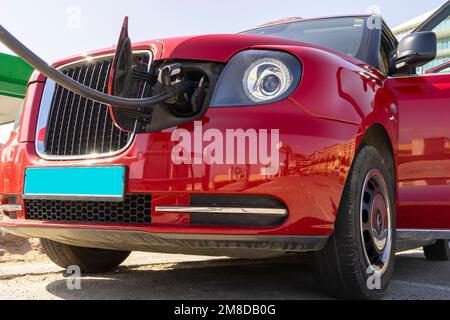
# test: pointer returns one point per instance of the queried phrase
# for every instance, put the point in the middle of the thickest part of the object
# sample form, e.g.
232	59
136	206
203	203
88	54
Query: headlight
266	79
256	77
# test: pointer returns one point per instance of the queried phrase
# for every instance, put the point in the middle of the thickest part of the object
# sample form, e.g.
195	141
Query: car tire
87	259
345	268
439	251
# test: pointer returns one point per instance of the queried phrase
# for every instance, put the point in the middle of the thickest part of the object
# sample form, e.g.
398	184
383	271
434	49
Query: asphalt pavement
154	276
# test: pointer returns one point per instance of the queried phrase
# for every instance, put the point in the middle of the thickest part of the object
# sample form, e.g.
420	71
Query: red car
198	145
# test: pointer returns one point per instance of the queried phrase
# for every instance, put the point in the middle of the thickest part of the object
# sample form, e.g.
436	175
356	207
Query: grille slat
66	121
86	109
79	127
136	209
77	112
61	114
75	137
52	117
101	111
92	110
62	100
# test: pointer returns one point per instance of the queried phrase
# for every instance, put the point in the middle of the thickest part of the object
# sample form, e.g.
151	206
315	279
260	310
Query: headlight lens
266	79
264	76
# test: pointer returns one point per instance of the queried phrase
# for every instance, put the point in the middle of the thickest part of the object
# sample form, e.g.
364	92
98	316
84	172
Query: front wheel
358	260
88	260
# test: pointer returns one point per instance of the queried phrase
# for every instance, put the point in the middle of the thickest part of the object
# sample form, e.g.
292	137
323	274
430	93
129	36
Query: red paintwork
321	125
424	151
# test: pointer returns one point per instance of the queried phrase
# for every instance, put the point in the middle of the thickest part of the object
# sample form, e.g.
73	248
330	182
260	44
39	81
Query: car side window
442	62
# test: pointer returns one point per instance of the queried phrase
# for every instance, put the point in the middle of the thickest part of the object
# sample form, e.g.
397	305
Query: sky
56	29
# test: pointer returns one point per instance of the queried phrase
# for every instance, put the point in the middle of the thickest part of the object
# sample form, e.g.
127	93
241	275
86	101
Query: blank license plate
70	183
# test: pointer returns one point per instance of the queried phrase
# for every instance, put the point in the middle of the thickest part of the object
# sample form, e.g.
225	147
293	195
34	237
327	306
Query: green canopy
14	75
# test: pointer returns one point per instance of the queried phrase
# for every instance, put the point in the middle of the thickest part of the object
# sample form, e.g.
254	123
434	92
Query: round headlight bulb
270	84
266	79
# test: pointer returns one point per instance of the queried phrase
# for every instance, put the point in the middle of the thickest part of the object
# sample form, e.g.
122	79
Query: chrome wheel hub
379	223
376	220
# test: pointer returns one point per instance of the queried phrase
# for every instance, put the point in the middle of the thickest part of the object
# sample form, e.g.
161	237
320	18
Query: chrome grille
80	127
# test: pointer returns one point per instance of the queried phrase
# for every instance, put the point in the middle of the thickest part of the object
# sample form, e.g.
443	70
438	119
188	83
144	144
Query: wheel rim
376	221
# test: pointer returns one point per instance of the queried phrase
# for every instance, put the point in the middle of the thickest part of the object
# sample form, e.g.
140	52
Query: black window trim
435	19
377	38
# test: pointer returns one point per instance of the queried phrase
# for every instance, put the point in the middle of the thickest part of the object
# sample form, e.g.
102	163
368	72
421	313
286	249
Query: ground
155	276
16	249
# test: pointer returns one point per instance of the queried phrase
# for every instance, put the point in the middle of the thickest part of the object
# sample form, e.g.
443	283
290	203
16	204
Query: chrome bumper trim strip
10	208
223	210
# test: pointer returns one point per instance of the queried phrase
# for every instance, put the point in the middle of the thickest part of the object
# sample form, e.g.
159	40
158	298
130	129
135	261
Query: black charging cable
39	64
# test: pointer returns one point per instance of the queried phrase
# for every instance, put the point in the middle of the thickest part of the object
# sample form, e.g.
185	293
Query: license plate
70	183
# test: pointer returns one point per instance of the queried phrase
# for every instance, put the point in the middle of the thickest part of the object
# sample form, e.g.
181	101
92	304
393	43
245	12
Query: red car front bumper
313	154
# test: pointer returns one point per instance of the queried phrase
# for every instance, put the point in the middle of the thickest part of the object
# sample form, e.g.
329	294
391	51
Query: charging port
193	83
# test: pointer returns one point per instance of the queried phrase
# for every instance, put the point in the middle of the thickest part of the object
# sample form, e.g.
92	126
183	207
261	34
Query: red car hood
218	48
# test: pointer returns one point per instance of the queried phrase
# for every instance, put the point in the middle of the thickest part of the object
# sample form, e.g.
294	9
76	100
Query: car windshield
341	34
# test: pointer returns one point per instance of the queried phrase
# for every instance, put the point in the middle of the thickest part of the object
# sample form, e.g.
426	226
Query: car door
423	102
